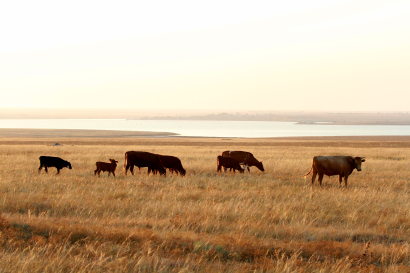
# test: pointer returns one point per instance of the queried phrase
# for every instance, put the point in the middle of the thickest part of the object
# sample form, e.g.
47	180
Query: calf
106	167
228	162
342	166
51	161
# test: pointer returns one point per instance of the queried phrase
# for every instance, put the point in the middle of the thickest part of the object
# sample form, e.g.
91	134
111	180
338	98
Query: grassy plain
206	221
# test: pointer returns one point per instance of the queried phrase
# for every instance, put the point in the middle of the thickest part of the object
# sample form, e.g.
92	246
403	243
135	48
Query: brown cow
228	162
172	163
245	158
106	167
143	159
334	165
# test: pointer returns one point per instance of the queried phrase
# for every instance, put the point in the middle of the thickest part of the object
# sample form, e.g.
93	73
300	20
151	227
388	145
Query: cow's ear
363	160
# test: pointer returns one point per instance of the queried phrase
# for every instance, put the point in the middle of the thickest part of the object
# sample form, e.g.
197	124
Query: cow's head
183	171
69	165
357	162
113	161
260	166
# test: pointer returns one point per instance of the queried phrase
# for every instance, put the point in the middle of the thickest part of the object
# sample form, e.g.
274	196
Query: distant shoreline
299	117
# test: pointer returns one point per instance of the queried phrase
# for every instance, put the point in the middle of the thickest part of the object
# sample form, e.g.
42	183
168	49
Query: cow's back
241	156
51	161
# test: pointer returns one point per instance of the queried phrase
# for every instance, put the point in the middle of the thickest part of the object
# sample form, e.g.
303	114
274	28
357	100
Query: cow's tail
125	162
308	172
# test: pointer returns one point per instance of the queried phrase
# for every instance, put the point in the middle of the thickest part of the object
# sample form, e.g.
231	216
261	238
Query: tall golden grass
206	221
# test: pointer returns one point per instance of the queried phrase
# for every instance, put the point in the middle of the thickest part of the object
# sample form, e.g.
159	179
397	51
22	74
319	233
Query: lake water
211	128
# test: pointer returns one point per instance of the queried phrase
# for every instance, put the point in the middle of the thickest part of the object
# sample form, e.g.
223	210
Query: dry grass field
206	221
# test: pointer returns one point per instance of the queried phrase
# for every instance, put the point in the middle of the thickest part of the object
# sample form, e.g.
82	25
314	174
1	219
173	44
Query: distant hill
303	117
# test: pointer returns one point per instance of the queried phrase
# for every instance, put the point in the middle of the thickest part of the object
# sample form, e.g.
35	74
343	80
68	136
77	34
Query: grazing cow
334	165
51	161
245	158
106	167
172	163
228	162
143	159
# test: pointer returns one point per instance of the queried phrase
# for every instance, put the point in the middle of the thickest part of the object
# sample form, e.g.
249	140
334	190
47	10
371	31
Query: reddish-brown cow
143	159
342	166
172	163
245	158
106	167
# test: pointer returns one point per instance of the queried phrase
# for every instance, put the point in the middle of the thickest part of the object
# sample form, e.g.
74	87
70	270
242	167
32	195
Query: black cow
143	159
51	161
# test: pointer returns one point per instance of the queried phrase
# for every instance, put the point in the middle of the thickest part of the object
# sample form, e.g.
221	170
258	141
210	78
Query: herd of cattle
232	160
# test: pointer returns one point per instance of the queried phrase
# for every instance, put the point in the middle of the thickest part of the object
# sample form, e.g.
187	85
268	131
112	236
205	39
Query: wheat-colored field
273	221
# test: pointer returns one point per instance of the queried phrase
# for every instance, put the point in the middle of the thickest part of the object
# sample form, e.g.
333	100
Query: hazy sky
223	55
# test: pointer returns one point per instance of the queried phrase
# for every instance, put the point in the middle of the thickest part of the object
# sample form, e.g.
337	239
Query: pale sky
326	55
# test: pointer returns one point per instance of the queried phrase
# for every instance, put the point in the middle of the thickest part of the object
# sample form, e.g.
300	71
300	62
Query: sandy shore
64	133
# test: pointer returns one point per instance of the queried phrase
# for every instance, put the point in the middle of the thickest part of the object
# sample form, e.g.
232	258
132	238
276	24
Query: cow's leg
95	172
154	171
45	168
346	176
132	169
39	169
314	173
340	180
109	172
246	167
99	171
218	168
58	171
113	174
320	179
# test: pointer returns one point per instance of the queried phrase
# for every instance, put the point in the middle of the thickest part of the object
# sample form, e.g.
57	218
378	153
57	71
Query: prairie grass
206	221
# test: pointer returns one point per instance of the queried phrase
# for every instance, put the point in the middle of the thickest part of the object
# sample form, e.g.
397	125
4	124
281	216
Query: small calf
228	162
106	167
